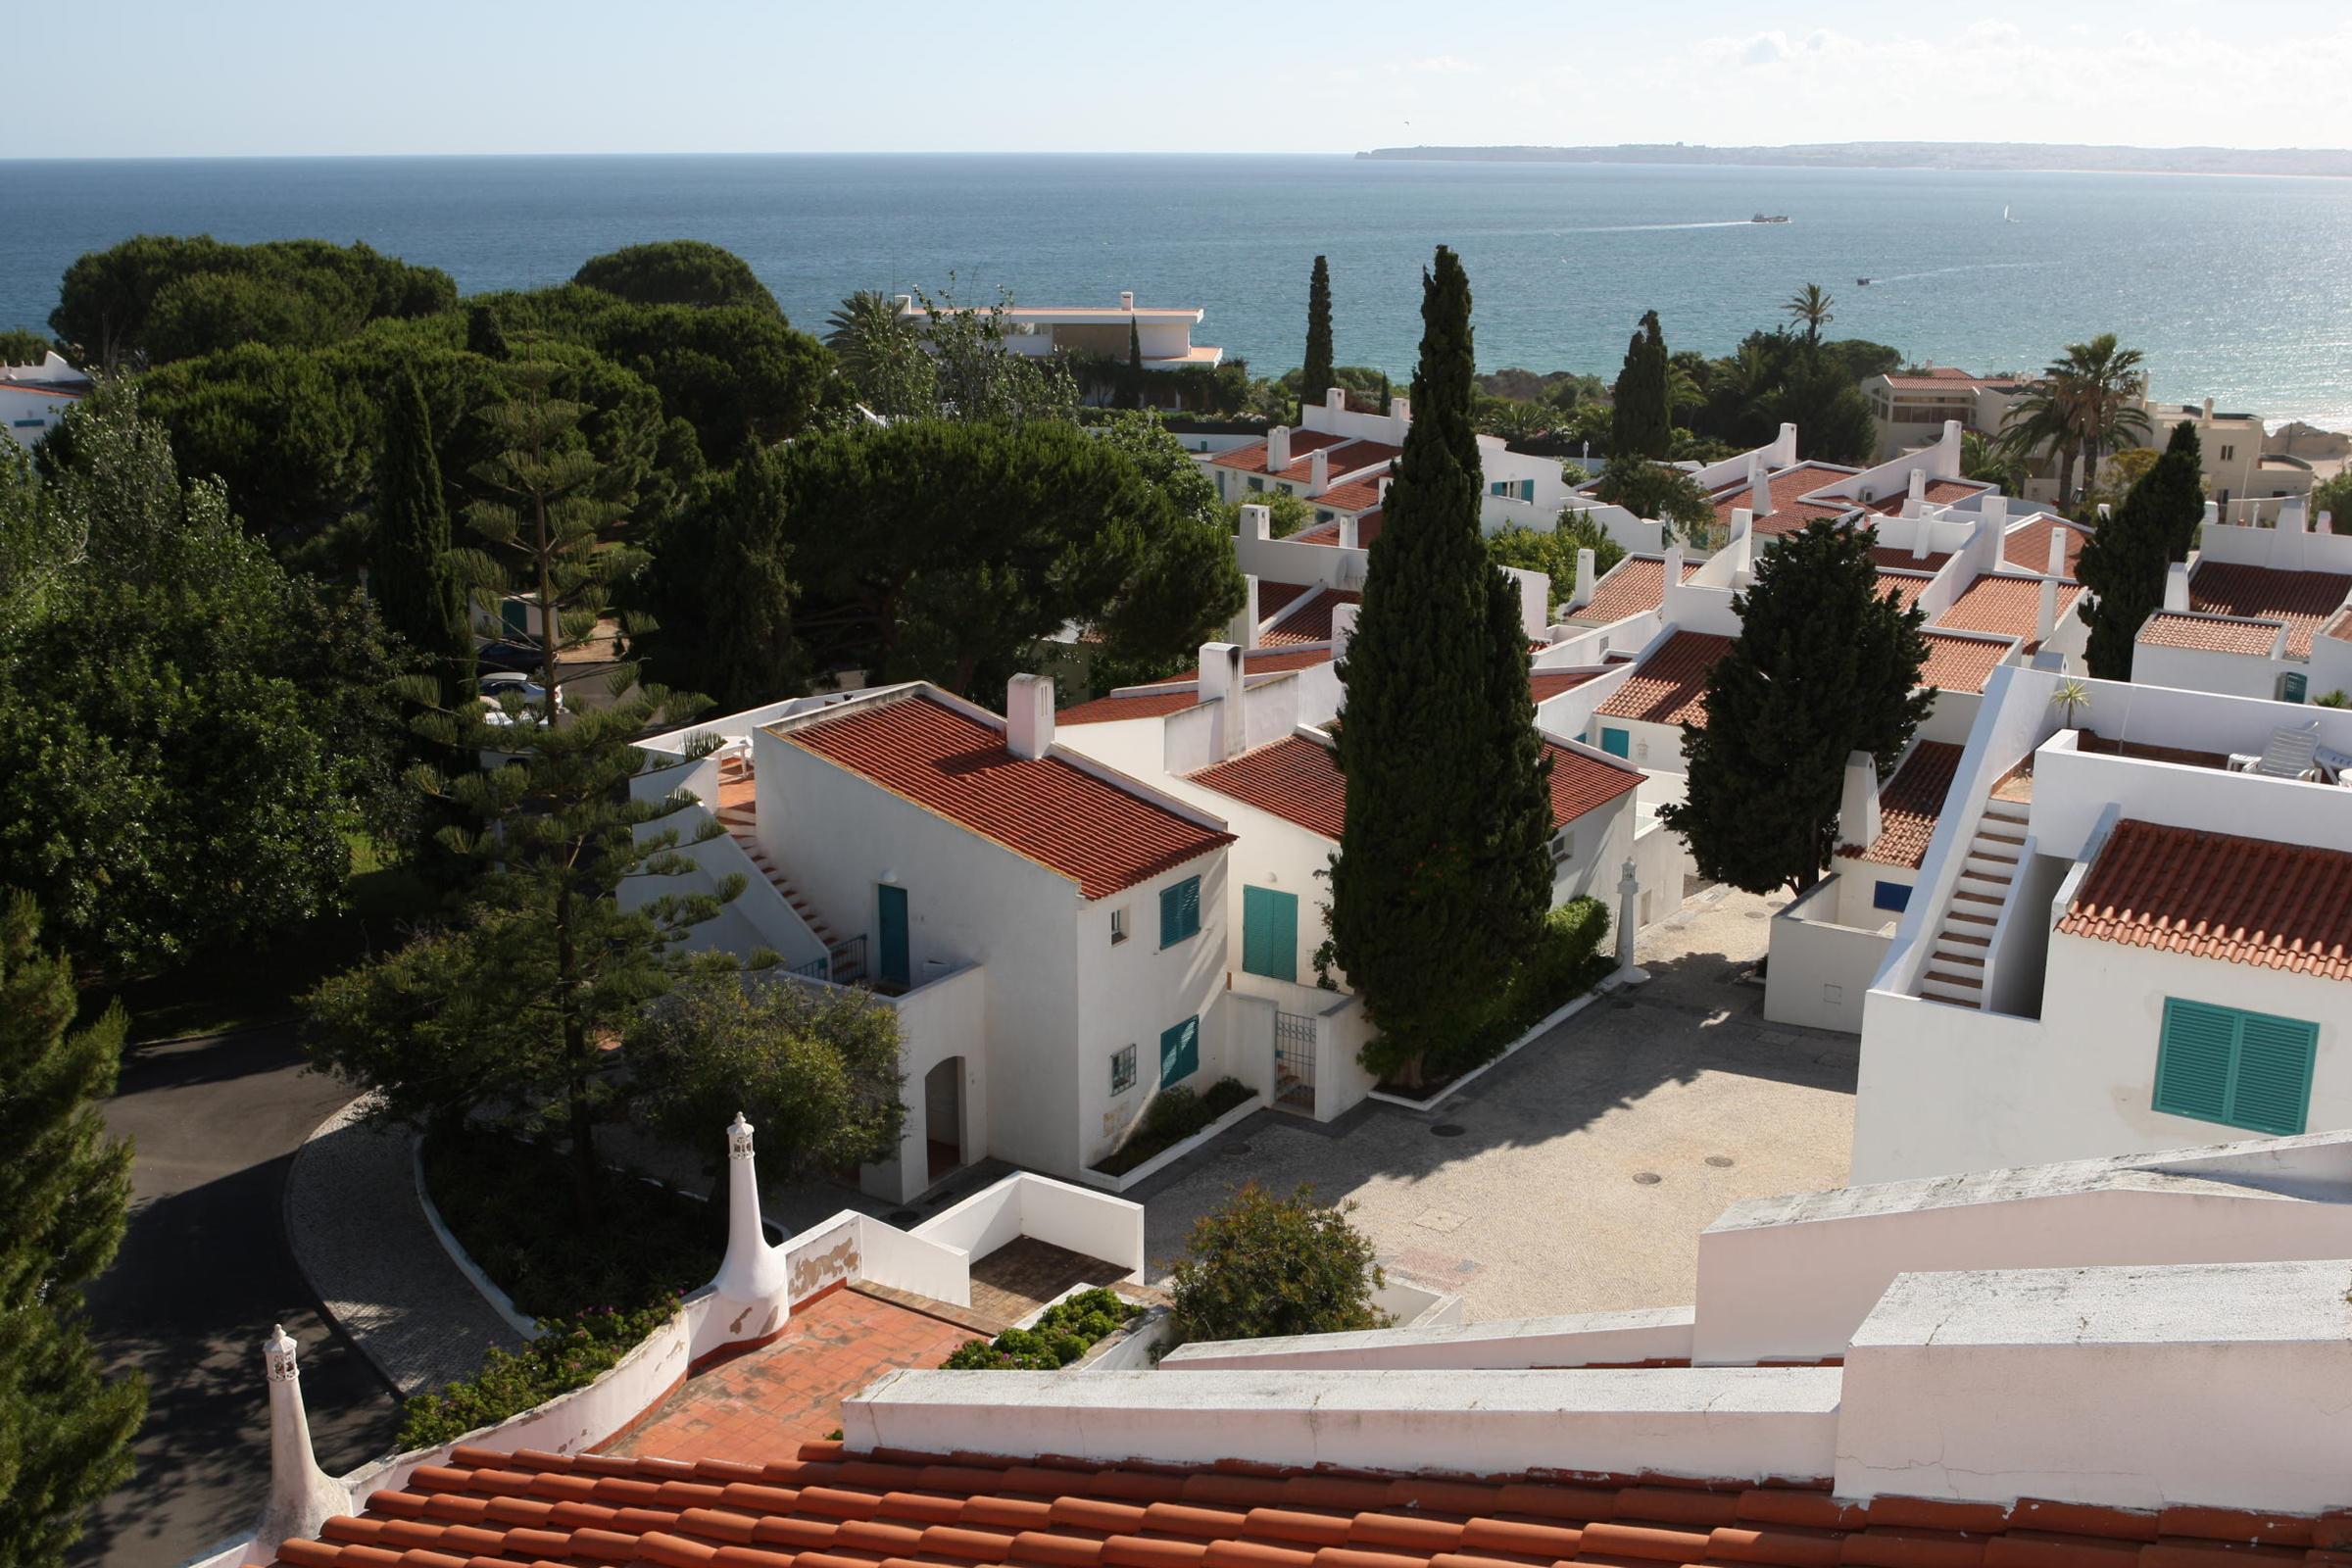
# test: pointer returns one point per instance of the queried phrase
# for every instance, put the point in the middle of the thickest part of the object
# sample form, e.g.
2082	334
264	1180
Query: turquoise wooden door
1270	933
891	922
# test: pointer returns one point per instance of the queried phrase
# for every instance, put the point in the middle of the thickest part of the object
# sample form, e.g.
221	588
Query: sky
243	77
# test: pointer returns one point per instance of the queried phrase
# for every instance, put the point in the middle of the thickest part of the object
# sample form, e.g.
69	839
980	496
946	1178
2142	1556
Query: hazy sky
140	77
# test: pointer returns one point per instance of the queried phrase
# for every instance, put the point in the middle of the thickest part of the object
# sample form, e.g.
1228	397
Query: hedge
1062	1334
570	1354
1174	1115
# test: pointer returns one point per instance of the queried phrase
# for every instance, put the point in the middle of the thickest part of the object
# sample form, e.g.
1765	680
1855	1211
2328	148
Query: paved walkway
362	1238
1577	1175
764	1405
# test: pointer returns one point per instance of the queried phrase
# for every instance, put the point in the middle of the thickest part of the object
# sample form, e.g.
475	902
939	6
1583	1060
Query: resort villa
1163	333
33	398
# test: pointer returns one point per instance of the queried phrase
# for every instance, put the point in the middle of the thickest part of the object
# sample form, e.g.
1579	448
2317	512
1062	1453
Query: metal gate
1295	1063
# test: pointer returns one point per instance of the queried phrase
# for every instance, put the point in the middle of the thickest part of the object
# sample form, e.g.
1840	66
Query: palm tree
1983	459
1811	305
859	326
879	350
2084	403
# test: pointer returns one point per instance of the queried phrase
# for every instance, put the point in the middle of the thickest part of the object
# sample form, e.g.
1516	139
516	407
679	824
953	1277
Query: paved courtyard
1577	1175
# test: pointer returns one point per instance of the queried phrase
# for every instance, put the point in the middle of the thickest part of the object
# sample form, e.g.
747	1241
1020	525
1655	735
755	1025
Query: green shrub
570	1354
1062	1334
1564	964
1263	1266
1174	1115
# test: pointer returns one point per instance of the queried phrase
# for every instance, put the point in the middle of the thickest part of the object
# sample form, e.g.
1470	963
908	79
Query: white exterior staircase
1956	971
845	960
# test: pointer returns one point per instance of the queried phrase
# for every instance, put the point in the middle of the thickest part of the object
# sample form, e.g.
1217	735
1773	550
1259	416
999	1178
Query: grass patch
1063	1333
1175	1116
508	1205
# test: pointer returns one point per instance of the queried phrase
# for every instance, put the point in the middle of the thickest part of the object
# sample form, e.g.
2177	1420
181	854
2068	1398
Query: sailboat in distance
2005	218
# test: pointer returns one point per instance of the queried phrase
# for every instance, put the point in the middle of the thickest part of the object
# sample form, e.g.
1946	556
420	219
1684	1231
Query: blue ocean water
2237	289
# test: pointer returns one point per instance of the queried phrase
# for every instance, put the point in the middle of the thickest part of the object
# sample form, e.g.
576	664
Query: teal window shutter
1270	933
1179	912
2237	1068
1616	742
1180	1052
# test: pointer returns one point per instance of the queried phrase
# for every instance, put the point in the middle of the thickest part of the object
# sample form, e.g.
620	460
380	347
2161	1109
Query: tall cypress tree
1318	374
65	1430
1135	367
1440	882
413	581
1641	422
2125	561
721	595
1823	667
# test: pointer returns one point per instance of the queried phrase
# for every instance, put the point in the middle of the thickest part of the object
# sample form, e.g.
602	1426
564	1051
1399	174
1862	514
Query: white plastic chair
2291	754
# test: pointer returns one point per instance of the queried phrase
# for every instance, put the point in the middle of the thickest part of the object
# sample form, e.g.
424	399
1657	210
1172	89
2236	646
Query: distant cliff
1967	155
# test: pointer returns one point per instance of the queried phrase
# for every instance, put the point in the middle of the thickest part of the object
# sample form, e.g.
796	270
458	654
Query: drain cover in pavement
1446	1129
1442	1220
1647	1178
1719	1162
1237	1149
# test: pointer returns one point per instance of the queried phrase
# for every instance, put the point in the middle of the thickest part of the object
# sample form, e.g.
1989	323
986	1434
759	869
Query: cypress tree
1641	422
1317	375
65	1430
1441	880
2125	561
1135	367
722	596
1823	667
413	581
483	335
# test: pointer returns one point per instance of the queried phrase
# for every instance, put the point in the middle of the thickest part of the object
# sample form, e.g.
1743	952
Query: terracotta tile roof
1272	596
1670	686
1787	489
1257	662
2006	607
1310	622
1961	664
2340	628
833	1507
1252	459
2027	545
1545	684
1099	835
1367	527
1934	493
2214	634
2275	906
2304	600
1909	805
1935	376
1904	587
1635	586
1299	780
1887	558
1342	455
1165	698
1355	495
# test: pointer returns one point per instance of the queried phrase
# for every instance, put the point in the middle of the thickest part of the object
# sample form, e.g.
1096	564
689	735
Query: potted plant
2074	696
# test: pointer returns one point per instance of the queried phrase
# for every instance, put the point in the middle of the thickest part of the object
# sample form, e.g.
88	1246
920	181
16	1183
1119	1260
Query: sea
2236	288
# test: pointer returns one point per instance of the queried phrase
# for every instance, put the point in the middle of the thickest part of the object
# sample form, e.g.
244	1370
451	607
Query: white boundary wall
1586	1339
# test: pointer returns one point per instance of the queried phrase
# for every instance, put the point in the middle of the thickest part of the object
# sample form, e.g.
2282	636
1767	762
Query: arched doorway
943	1118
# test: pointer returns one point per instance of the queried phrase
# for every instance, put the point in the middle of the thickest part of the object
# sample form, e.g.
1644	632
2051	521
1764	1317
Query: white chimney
1401	418
2292	513
1994	509
1759	487
1349	537
1244	627
2058	538
1535	599
2213	513
1334	397
1585	582
1918	485
1318	471
1222	683
2045	611
1920	535
302	1496
1947	452
1343	628
905	304
1126	299
1258	522
2176	586
1674	575
1743	518
1784	447
1858	819
2209	411
1278	449
1029	716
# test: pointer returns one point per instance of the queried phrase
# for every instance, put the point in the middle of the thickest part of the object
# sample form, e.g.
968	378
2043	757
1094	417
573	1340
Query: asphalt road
202	1275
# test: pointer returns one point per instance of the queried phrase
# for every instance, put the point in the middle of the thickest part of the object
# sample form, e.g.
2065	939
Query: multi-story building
1163	333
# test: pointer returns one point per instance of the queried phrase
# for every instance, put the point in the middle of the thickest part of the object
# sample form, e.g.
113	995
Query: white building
34	398
2258	612
1164	334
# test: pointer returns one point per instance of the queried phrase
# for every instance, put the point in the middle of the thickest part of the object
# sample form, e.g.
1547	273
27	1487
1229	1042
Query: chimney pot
1029	716
1278	449
2176	586
1919	484
2209	411
1126	299
1350	537
1858	821
1587	580
2058	538
1222	683
1318	471
2045	611
1257	522
1243	629
1334	397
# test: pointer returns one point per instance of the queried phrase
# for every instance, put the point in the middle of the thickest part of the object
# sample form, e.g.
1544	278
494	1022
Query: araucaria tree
1317	375
416	582
1441	880
517	1002
1641	419
1824	666
65	1430
2125	564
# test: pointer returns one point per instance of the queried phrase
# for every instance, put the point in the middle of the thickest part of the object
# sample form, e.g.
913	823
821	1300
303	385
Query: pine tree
1440	882
413	581
65	1430
2124	564
1642	422
1317	375
1823	667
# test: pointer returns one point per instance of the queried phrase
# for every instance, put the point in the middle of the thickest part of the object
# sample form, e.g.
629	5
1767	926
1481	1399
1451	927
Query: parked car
530	698
506	655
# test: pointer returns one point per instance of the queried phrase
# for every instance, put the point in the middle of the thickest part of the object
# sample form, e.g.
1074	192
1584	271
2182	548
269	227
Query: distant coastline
2020	157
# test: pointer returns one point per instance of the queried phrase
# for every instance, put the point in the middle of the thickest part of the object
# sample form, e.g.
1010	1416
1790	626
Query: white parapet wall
1065	1216
1581	1340
1753	1424
2129	1388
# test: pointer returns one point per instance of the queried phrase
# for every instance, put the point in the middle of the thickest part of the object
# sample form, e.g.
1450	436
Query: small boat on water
1770	217
1861	282
2005	218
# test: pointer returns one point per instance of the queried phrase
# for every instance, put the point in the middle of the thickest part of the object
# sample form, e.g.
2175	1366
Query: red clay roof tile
2028	544
1904	587
1544	684
2304	600
2210	633
1310	622
1909	805
1961	664
1893	558
1047	810
1670	686
1634	586
2006	607
1299	780
2285	906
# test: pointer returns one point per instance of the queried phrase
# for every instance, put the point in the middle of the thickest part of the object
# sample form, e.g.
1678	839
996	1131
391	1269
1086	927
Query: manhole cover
1647	1178
1446	1129
901	1216
1720	1161
1237	1151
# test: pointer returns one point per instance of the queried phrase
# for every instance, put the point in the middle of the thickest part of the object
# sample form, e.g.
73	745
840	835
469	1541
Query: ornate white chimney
1278	449
1029	716
1858	819
302	1496
1587	581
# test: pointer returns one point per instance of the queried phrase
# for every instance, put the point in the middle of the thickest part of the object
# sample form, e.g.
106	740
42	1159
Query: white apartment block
1163	334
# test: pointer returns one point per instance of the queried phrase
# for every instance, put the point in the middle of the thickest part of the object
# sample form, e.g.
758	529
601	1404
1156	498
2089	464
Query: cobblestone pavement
765	1404
1577	1175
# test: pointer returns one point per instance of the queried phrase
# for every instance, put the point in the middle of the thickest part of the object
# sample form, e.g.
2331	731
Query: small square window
1256	483
2228	453
1118	926
1563	846
1122	1069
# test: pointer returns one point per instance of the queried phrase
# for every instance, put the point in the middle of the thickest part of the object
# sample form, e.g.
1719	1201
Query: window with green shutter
1179	912
1179	1051
2235	1068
